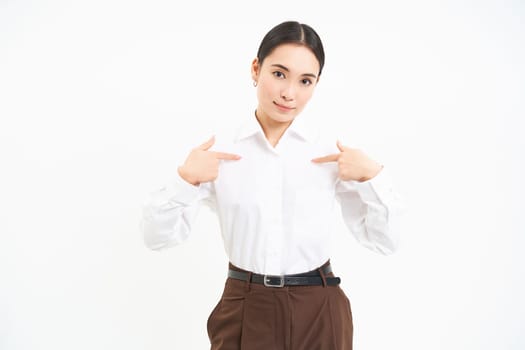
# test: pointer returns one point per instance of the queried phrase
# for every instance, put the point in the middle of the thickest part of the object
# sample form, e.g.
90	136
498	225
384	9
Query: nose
288	92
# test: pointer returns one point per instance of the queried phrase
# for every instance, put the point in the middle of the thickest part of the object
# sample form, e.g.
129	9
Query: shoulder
225	138
321	134
328	136
342	132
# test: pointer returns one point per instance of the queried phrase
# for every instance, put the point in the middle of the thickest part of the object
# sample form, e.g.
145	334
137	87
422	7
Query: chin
284	116
283	119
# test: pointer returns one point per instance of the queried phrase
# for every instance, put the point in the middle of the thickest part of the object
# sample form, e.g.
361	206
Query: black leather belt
312	278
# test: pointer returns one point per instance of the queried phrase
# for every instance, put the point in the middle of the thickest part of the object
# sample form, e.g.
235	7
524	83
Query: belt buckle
268	278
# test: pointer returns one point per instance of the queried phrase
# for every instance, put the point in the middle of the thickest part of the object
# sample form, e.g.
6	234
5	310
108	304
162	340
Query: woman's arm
168	213
372	210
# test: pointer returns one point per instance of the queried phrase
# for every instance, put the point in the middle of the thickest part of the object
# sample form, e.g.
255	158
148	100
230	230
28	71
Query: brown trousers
251	316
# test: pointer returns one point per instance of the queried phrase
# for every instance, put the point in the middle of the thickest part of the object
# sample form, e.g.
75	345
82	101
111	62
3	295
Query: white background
100	101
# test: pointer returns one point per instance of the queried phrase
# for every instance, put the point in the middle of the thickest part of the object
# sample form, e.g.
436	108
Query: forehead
297	58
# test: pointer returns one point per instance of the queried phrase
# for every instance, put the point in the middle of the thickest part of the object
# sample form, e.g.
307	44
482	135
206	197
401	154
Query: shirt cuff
186	193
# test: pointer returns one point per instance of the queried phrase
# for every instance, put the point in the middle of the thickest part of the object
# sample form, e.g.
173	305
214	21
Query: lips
284	108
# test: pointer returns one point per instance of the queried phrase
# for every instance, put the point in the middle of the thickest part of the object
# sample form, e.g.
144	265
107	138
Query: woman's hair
292	32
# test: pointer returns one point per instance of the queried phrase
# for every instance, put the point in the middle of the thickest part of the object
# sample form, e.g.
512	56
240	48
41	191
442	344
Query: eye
278	74
306	82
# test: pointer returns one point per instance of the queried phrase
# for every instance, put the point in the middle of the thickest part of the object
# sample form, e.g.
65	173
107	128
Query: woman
273	187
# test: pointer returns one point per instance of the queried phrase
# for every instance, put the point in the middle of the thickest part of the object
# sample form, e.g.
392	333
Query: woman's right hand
202	165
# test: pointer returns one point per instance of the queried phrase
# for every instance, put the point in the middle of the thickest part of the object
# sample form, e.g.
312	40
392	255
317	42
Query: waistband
310	278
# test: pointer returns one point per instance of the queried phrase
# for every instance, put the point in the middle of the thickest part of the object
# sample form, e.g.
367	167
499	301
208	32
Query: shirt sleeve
169	212
372	211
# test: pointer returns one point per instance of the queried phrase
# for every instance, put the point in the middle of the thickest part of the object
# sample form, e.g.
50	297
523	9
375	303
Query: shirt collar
300	126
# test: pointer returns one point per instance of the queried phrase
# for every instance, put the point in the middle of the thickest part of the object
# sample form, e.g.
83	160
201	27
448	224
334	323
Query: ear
255	69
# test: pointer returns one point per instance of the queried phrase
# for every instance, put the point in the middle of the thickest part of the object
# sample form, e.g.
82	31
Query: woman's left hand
353	164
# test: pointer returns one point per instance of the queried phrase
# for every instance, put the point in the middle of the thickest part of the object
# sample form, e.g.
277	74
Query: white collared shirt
275	206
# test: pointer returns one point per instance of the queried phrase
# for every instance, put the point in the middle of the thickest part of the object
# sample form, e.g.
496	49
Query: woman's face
285	82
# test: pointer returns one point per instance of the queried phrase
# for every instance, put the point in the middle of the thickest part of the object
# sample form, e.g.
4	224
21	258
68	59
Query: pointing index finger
328	158
226	156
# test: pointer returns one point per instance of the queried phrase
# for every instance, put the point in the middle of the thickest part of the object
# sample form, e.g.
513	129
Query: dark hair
292	32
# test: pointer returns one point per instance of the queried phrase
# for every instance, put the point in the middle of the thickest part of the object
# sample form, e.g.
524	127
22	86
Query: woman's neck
273	130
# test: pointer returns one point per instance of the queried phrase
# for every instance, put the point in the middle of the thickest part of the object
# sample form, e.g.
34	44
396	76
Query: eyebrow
286	69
